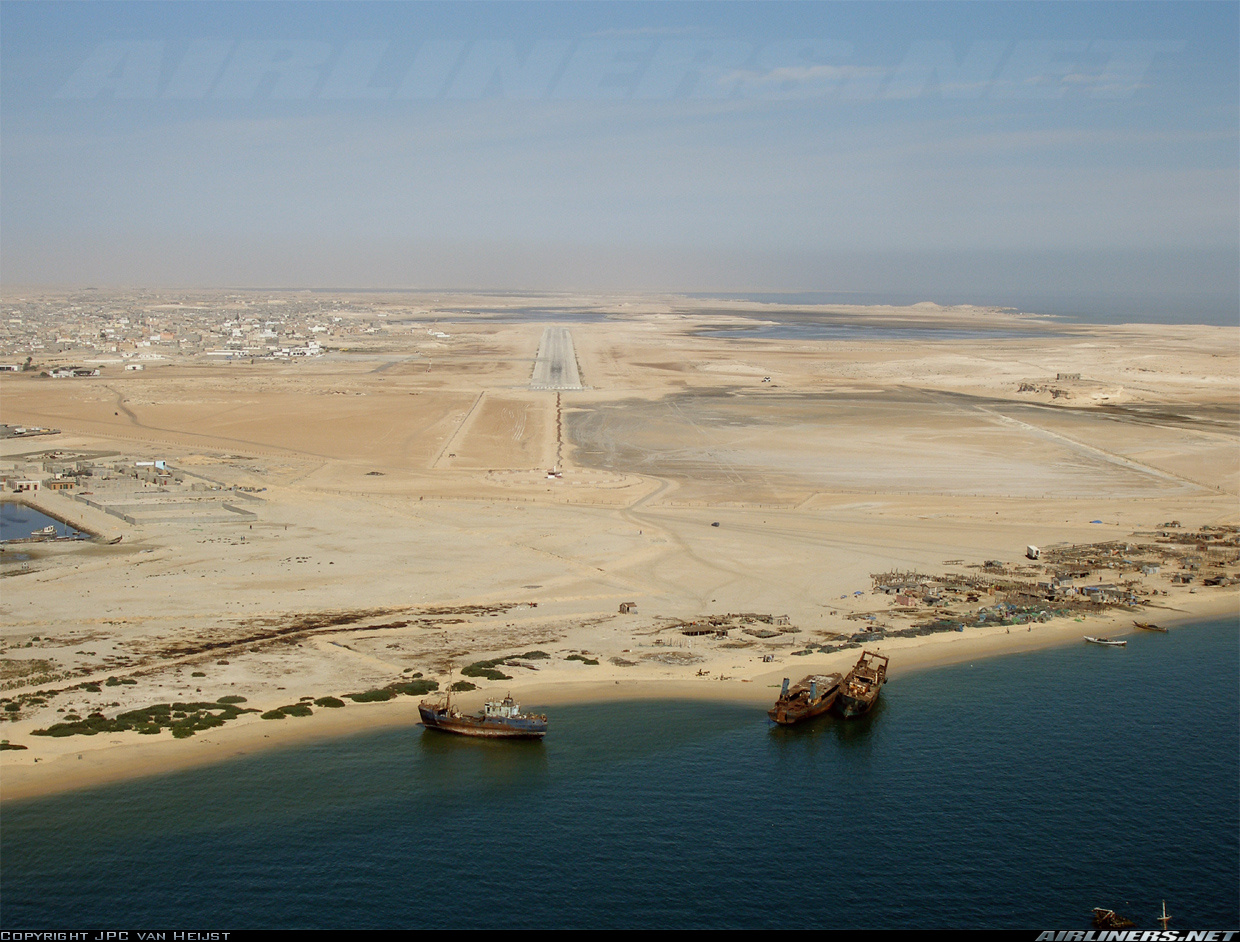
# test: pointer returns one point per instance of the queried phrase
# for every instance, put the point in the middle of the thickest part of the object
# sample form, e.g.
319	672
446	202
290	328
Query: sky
1052	155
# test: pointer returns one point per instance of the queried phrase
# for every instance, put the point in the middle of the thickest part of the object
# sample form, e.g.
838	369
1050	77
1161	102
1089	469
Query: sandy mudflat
400	517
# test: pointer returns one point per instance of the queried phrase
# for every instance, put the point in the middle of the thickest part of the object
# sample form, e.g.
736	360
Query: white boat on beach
1107	641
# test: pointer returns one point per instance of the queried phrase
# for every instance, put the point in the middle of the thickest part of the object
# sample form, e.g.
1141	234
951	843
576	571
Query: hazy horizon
1058	158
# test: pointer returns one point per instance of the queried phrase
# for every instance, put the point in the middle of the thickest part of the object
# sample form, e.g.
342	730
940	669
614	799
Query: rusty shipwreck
812	697
860	688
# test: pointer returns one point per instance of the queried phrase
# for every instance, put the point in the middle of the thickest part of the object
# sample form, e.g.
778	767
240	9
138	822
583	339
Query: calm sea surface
1014	792
17	522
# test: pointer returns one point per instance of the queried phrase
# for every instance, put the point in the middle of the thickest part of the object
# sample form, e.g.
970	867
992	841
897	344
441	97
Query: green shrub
198	674
486	669
231	698
582	658
296	709
329	702
415	688
273	715
371	696
462	685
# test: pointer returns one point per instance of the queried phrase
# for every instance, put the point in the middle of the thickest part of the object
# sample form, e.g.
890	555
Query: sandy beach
408	504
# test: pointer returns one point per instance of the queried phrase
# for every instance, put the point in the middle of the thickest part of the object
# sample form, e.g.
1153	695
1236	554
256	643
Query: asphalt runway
556	365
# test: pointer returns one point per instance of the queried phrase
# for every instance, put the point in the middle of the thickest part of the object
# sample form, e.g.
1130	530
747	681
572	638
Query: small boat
499	719
1150	626
1107	641
859	691
49	530
812	697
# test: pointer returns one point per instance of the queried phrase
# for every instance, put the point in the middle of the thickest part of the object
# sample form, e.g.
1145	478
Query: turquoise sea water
1014	792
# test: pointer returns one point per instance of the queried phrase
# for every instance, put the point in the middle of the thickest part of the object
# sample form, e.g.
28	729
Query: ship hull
796	706
789	717
860	689
486	727
852	706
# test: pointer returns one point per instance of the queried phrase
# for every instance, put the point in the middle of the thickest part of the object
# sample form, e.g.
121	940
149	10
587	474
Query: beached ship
859	691
1106	641
1150	626
499	719
812	697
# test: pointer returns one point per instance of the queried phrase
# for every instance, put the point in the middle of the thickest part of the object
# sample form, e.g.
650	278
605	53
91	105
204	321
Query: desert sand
414	506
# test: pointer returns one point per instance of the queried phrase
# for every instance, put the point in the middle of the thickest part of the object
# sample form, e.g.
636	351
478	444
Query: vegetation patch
371	696
486	669
330	703
183	719
11	668
462	685
415	688
231	698
410	688
10	745
582	658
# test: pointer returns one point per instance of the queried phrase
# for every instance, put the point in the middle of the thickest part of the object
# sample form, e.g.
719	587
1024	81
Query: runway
556	365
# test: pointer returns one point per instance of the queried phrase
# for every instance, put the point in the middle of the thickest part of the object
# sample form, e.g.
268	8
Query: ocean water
1013	792
862	331
18	521
1103	307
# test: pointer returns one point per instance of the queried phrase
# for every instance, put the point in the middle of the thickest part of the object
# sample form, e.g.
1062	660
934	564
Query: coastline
413	503
80	762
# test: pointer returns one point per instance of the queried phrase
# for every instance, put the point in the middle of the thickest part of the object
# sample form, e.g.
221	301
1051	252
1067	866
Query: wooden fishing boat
1106	641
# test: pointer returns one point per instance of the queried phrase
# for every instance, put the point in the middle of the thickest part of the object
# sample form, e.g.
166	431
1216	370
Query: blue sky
1011	153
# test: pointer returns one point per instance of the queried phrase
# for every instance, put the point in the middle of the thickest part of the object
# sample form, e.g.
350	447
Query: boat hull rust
860	689
813	696
509	725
